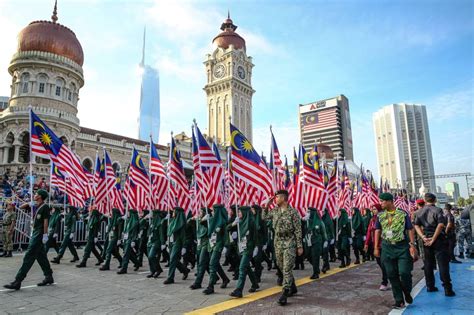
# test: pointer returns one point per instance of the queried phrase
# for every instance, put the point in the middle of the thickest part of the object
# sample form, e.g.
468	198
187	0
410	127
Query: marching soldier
329	253
114	231
130	236
232	254
142	239
35	249
288	240
9	221
316	239
93	227
261	240
246	245
202	248
155	240
359	234
177	236
53	230
189	250
216	233
69	230
344	239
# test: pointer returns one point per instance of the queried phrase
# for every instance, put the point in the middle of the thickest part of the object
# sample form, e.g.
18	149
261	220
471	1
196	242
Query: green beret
386	196
42	193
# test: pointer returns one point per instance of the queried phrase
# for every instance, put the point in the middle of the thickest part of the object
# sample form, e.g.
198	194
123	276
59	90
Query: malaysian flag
117	201
57	178
44	143
180	187
101	191
247	164
401	202
276	166
139	176
345	193
159	181
332	189
230	187
201	177
313	181
216	176
319	120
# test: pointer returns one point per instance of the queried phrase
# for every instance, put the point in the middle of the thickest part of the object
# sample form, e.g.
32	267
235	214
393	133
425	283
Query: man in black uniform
430	225
450	233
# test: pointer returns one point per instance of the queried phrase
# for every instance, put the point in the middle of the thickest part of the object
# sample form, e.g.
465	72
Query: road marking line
219	307
25	287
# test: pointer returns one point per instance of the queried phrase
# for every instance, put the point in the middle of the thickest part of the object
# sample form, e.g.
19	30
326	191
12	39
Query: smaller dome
326	151
229	36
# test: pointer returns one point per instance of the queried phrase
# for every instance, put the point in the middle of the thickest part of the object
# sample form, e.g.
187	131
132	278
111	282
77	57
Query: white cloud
452	104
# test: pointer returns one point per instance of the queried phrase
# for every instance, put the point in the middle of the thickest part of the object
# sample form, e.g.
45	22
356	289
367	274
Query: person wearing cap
247	240
35	250
288	240
316	240
9	221
392	228
177	237
216	233
369	244
93	227
69	231
431	225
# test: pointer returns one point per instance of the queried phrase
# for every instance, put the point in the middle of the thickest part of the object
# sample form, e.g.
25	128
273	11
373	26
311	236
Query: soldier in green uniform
329	253
216	233
288	240
142	239
189	250
177	236
9	221
261	239
69	230
130	237
202	248
232	253
93	227
316	239
359	234
114	231
53	230
392	227
344	239
155	240
35	250
246	245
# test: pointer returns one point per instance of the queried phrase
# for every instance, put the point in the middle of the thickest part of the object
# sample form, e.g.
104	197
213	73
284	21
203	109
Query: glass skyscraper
149	119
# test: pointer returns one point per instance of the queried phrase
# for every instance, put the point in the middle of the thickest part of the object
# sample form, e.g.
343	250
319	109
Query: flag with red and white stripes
313	181
276	166
332	189
139	176
159	181
180	187
57	178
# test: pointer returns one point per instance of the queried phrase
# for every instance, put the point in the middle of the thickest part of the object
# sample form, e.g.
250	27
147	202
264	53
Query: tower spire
228	14
54	17
143	49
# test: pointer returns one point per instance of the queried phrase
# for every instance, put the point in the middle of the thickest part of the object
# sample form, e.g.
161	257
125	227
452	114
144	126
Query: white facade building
403	146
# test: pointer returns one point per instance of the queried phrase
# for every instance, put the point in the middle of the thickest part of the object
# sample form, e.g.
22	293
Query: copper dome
51	37
325	150
229	36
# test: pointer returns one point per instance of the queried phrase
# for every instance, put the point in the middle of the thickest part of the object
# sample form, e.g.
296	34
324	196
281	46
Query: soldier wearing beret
36	249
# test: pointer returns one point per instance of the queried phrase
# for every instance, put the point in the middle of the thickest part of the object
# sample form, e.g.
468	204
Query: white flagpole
31	172
50	187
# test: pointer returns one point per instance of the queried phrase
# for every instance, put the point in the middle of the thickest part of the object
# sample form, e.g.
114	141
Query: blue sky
374	52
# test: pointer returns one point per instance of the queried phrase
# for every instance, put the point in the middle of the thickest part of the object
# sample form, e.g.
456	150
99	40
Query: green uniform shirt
42	213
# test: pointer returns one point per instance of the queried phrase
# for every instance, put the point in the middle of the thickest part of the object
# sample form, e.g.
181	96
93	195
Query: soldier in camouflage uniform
464	232
288	240
9	219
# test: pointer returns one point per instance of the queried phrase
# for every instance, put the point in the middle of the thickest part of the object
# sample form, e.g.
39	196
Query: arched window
25	81
59	87
24	156
42	79
71	92
11	150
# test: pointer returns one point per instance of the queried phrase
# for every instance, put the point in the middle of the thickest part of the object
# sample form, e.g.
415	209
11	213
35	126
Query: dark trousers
67	243
398	263
440	251
203	264
51	243
451	246
175	262
384	272
35	251
91	247
128	254
215	267
112	249
154	253
245	270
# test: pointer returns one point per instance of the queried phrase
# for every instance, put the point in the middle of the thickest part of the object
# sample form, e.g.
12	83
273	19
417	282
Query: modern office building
149	119
403	146
328	122
452	189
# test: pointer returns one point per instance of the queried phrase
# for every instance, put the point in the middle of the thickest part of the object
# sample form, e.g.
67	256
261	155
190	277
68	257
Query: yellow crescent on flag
232	139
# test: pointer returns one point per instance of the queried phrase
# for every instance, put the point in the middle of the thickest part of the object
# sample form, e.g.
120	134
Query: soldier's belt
395	242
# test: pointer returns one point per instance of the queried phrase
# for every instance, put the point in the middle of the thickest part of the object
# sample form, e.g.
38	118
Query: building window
69	97
58	91
25	87
41	88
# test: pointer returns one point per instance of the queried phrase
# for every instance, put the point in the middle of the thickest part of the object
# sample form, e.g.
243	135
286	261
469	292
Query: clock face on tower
241	72
219	71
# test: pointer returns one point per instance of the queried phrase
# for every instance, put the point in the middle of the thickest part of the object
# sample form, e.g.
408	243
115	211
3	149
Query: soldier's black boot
15	285
283	298
76	258
448	291
225	282
56	260
236	293
343	264
47	280
98	263
208	290
82	264
293	289
104	267
4	254
122	271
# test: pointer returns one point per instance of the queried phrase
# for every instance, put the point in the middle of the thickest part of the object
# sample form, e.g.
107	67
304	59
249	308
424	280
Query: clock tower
229	85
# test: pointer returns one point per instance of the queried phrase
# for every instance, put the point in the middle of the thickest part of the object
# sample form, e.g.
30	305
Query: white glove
365	238
218	230
124	217
133	244
255	252
125	236
224	251
234	235
264	247
183	251
98	234
236	221
45	238
163	247
206	217
119	242
140	234
167	217
306	217
71	236
95	240
350	240
55	235
332	242
325	244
